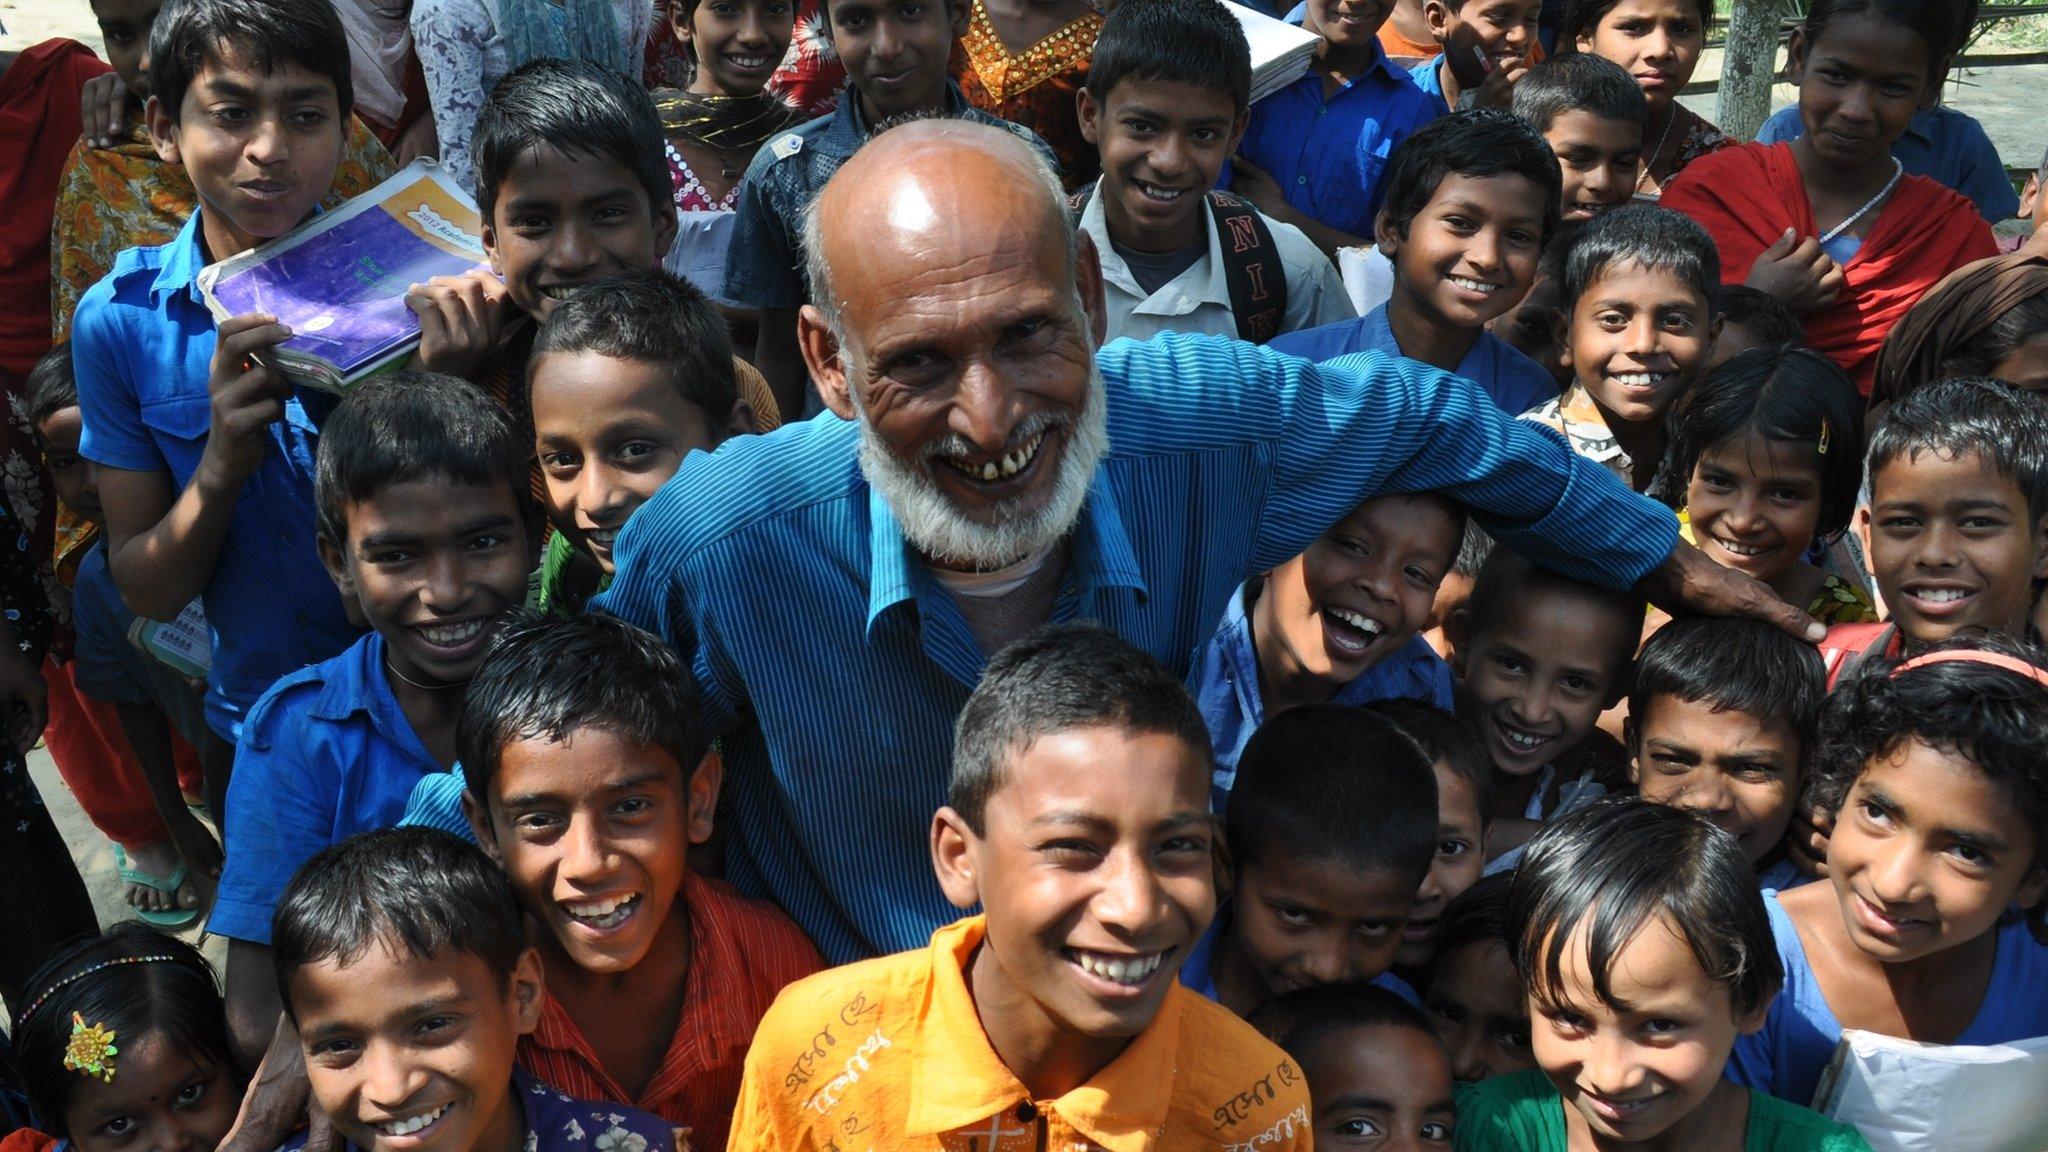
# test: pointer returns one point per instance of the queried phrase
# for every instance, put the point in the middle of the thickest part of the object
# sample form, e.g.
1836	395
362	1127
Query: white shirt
1198	300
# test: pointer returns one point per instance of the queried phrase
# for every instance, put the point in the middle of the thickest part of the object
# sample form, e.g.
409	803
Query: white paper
1280	51
1905	1096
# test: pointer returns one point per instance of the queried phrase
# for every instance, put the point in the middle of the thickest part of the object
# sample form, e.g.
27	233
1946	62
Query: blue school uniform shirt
142	347
832	665
327	753
1945	145
1225	684
107	666
1515	382
1800	1031
1198	971
1327	155
1429	80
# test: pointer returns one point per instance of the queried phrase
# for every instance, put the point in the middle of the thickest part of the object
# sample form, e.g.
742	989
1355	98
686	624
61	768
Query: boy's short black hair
266	33
1743	666
576	109
51	386
1478	143
1059	678
1300	1022
1478	915
1645	236
1582	16
1196	42
548	676
413	425
1473	550
419	889
656	317
2004	426
1766	316
1508	576
1447	737
1608	870
134	981
1784	395
1989	715
1580	82
1333	782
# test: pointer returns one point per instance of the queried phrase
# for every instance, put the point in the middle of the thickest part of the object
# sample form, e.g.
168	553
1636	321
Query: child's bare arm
162	544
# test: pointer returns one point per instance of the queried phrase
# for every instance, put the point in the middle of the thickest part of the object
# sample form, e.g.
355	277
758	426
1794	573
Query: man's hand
1688	583
24	700
247	399
277	1100
103	110
1798	274
461	320
1258	186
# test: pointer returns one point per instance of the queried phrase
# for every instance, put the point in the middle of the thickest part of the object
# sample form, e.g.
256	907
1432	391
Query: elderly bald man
838	585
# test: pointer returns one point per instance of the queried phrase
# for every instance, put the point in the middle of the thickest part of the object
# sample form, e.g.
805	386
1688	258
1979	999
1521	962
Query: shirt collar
1580	421
355	684
183	258
957	1080
1102	555
1215	289
850	127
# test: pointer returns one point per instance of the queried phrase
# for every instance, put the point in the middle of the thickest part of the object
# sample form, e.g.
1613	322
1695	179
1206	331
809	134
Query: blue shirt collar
356	685
182	260
850	128
1102	555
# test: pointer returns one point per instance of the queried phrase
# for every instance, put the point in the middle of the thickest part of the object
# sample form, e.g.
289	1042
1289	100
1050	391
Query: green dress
1524	1113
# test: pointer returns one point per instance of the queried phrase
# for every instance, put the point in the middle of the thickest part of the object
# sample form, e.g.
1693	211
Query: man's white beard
942	533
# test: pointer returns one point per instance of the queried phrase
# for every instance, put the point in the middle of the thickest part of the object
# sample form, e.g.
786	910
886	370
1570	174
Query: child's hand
103	110
1806	841
1798	273
461	320
1256	185
247	399
421	138
1498	89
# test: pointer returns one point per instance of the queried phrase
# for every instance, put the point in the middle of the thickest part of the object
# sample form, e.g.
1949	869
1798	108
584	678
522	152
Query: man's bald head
931	182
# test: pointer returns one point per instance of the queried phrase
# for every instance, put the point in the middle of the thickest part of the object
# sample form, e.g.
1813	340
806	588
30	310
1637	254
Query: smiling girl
1929	925
1768	446
1830	223
1658	42
124	1046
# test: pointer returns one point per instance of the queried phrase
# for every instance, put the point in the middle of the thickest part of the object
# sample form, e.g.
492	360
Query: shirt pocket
179	425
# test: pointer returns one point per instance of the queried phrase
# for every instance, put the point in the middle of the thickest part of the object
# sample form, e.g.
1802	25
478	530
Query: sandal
173	917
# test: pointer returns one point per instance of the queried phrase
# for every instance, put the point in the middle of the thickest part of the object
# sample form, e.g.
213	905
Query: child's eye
560	461
1069	850
632	806
1514	1041
1358	1126
432	1024
1452	847
389	556
309	118
1577	684
535	824
1969	854
1436	1132
1510	663
1662	1027
1379	929
1873	812
189	1095
120	1127
1186	846
1448	1013
486	543
1294	917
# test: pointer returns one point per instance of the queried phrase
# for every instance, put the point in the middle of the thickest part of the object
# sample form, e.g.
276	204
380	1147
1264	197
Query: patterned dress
1035	87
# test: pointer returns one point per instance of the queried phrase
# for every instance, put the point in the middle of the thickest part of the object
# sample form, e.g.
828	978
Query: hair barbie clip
91	1050
1972	656
1821	449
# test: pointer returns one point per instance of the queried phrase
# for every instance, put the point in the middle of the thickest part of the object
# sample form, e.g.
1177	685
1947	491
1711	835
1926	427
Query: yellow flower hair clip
91	1050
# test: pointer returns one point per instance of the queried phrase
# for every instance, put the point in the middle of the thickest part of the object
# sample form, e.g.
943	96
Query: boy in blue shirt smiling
426	522
1471	199
1315	151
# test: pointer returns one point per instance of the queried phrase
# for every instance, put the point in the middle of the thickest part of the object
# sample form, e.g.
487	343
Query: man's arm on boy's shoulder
162	544
263	1038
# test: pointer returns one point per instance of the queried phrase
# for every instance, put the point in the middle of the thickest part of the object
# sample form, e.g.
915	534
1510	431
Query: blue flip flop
168	885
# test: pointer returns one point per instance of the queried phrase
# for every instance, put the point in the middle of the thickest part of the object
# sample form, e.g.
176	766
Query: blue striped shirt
834	665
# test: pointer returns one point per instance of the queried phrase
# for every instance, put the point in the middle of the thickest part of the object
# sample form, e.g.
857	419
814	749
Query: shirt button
1027	1112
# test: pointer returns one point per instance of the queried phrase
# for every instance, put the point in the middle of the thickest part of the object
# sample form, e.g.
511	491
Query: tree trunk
1748	64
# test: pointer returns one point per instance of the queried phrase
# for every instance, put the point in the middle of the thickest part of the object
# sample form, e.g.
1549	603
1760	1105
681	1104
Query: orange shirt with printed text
890	1054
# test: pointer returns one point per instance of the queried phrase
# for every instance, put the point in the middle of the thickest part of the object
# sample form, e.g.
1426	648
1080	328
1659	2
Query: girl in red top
1829	223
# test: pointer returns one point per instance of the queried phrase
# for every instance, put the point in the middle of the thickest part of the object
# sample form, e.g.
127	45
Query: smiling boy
1638	319
401	961
574	738
1470	201
424	523
1958	518
1592	114
1053	1019
1165	105
1484	50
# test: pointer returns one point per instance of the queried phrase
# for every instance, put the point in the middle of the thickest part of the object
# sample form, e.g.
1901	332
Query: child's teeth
1942	595
1370	627
1473	285
408	1127
453	633
605	913
1119	971
1638	379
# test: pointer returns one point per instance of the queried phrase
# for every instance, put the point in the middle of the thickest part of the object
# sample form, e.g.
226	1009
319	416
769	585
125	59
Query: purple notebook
339	281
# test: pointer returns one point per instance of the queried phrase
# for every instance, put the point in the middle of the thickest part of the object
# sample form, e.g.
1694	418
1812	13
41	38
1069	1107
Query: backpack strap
1251	267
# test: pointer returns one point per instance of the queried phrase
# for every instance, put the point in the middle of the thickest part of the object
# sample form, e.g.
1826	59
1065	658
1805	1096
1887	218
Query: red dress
1035	87
1747	196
